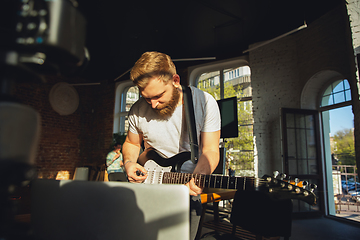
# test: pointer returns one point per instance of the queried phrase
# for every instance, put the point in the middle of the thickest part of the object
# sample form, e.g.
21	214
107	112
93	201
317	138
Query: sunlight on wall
63	175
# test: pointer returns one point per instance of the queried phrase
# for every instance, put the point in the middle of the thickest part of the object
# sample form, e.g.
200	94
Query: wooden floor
226	227
310	229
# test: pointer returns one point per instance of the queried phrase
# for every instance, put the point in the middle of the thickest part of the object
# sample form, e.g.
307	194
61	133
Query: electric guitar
166	171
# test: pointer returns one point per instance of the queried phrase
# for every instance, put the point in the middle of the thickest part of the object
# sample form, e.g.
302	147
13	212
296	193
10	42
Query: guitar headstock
281	189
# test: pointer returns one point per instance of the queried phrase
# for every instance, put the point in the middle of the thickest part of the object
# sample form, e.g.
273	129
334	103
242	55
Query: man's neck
181	98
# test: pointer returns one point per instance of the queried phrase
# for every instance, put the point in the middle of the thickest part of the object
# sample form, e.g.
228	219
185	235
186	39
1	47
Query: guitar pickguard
155	172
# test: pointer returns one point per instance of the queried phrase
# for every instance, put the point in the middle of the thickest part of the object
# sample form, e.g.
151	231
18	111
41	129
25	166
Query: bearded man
158	120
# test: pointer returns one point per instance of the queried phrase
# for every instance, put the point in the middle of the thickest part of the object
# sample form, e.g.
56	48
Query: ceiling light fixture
277	38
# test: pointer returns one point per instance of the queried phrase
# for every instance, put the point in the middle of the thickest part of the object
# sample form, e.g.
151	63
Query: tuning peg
287	179
276	174
304	183
268	179
296	180
313	187
282	176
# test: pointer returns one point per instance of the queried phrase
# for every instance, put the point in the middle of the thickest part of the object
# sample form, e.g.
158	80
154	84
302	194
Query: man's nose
154	103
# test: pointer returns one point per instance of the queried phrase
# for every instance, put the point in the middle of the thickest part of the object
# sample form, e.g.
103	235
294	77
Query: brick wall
275	84
280	70
79	139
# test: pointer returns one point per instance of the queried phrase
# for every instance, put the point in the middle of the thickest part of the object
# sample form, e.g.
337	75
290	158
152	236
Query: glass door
302	155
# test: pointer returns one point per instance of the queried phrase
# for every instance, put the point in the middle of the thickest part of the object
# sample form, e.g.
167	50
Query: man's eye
153	98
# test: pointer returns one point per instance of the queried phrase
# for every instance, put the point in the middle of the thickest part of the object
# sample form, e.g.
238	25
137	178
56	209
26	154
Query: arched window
337	92
126	95
224	80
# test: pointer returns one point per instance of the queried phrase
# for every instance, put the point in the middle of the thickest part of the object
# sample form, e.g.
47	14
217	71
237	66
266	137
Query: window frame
120	105
325	131
194	74
336	105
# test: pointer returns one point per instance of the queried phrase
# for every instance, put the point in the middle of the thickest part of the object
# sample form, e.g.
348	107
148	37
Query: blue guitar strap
190	121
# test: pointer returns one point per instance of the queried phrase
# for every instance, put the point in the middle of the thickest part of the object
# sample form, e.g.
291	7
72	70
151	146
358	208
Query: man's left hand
194	190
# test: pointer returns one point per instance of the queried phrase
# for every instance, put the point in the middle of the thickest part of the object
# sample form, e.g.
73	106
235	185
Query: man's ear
176	80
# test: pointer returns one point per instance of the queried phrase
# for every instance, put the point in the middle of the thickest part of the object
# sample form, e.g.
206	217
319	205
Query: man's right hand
135	172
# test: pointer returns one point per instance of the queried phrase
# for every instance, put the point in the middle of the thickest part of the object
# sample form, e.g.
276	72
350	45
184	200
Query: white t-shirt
170	136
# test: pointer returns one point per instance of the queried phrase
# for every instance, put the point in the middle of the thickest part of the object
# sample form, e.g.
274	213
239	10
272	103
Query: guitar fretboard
212	181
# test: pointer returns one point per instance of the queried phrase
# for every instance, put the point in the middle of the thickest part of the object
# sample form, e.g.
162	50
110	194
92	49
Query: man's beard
168	109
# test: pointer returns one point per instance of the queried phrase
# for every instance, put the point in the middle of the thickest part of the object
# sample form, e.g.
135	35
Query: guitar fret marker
244	183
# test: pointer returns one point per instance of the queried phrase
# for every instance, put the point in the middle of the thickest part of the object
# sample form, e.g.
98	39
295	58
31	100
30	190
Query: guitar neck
212	181
277	189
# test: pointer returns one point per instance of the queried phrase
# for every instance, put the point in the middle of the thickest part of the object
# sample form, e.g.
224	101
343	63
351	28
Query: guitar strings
234	183
173	177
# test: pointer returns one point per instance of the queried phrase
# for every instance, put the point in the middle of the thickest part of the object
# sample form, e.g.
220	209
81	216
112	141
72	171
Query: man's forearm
208	162
130	152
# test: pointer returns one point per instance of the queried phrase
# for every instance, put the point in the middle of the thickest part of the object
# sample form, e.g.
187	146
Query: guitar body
174	162
155	172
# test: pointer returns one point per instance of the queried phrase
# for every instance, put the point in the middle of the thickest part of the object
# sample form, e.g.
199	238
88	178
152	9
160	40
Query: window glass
236	83
347	95
132	95
128	97
337	92
339	97
339	87
210	82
